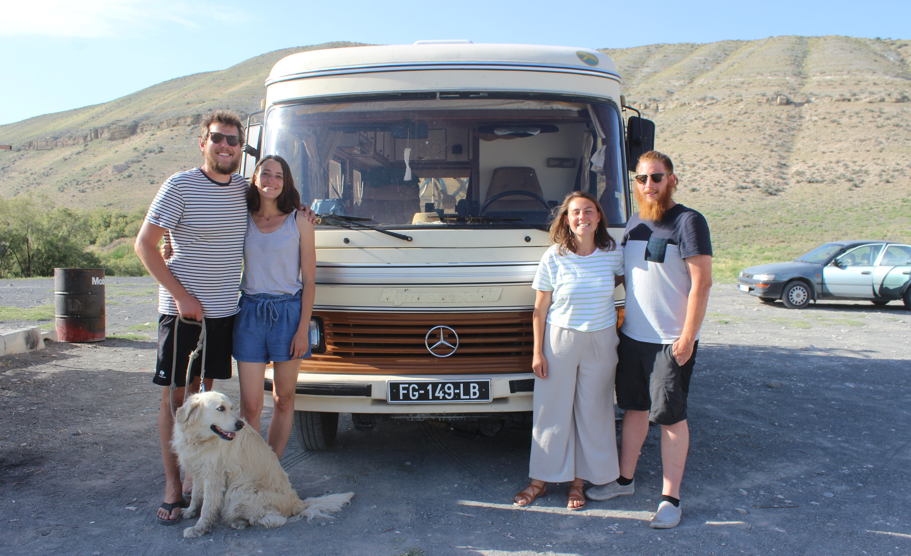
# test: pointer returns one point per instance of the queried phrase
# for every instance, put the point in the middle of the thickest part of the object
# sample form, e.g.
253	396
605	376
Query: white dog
235	473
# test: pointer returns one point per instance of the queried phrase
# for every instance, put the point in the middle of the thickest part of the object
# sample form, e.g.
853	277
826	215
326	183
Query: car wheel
796	295
315	431
907	299
880	303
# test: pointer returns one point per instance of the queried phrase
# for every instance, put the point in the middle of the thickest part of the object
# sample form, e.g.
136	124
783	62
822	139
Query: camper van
435	169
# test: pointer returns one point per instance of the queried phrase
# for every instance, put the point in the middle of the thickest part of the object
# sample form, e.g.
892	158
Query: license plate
439	391
744	288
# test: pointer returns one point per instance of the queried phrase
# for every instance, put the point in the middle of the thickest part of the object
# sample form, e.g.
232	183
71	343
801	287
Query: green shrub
122	261
36	237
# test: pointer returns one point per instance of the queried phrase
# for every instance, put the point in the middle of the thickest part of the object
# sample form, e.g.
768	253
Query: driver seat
514	178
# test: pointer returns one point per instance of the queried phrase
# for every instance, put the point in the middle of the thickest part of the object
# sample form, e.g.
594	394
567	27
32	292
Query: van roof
368	59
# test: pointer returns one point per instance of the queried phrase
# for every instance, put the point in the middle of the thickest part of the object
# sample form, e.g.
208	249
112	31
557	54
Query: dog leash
200	348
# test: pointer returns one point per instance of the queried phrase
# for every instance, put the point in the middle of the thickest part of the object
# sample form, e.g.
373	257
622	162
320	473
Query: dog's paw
188	513
240	524
271	521
193	532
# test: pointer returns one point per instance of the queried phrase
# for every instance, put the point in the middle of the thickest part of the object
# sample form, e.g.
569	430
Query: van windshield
454	160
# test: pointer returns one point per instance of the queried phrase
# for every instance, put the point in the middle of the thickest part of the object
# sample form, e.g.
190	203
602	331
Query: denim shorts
265	327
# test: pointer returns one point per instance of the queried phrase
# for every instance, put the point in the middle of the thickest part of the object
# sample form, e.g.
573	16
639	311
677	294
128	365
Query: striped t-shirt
207	221
583	288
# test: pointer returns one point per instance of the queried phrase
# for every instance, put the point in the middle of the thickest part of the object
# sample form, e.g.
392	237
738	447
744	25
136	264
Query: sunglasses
233	140
656	178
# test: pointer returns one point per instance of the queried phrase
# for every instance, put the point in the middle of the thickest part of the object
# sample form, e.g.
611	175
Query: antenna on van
445	41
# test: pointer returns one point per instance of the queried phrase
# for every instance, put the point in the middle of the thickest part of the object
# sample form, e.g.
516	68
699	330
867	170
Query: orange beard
653	211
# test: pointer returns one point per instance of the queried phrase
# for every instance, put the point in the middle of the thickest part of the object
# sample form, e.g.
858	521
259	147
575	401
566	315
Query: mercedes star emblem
442	348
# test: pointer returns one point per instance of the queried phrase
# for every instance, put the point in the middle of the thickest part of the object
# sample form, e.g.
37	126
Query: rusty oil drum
79	304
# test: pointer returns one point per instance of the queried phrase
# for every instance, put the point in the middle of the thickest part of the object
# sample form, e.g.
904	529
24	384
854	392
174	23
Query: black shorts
649	379
218	347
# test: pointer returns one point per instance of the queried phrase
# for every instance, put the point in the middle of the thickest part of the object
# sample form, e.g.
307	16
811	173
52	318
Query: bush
36	238
108	226
122	261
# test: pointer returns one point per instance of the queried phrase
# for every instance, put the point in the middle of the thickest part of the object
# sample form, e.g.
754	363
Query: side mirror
251	154
640	138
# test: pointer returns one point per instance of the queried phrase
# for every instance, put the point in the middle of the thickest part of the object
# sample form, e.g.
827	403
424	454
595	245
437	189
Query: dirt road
800	445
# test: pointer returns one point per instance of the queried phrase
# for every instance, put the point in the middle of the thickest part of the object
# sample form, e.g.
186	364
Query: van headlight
317	336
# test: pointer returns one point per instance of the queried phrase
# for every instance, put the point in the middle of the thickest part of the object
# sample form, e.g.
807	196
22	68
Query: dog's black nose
238	425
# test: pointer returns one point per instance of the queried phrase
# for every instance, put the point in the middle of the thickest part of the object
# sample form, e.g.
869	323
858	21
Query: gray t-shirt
657	278
272	262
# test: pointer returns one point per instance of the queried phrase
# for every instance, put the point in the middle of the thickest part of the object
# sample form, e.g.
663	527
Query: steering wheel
499	196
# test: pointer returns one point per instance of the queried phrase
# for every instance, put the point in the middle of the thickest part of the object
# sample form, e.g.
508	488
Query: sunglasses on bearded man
233	140
656	178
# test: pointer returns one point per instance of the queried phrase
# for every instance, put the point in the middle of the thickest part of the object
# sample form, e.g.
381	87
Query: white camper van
435	169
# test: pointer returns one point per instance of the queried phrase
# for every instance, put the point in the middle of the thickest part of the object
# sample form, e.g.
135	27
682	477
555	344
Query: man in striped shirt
205	212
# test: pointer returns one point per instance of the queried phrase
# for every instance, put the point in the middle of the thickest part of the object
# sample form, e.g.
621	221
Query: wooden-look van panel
394	343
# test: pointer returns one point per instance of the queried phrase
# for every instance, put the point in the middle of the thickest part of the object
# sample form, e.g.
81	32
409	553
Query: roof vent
446	41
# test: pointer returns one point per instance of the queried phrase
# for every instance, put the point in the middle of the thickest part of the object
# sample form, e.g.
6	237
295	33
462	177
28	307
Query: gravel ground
799	445
131	304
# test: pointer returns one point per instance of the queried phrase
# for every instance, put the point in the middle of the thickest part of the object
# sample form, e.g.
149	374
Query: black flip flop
169	508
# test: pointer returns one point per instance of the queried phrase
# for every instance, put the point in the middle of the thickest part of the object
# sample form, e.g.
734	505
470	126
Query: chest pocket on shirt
655	250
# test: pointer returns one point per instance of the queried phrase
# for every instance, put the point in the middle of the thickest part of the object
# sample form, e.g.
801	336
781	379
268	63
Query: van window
467	160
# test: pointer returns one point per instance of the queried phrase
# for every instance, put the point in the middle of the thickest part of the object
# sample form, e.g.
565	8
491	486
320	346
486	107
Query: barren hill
782	142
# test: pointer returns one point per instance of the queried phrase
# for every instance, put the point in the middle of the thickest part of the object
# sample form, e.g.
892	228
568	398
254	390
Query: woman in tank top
277	291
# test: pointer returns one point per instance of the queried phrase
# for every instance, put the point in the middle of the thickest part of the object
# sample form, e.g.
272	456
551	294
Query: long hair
561	235
288	200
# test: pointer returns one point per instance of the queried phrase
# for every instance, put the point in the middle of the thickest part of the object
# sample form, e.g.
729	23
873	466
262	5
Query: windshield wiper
347	221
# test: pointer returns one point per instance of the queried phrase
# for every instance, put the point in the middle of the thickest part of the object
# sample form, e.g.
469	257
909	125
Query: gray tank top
272	262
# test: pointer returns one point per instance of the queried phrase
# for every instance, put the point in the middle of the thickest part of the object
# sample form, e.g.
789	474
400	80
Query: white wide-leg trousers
574	434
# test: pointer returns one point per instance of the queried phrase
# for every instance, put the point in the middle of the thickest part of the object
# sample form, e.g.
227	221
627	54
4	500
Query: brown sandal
575	495
529	494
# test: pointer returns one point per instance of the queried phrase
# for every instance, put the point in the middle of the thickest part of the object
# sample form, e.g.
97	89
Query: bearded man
667	252
205	212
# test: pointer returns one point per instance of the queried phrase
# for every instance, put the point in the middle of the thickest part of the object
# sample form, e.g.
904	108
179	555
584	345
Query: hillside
116	154
782	142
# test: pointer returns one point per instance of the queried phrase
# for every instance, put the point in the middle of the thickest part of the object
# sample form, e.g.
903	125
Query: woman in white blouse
575	354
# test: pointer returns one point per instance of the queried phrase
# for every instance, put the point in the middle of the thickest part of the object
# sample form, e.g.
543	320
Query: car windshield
453	160
821	254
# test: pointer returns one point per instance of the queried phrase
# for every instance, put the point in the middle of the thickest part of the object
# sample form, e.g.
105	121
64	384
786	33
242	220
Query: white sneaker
610	490
667	516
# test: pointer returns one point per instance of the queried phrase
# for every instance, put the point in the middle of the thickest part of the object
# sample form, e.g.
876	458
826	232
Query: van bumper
337	393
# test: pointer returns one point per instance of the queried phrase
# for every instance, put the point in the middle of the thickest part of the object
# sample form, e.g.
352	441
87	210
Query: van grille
369	343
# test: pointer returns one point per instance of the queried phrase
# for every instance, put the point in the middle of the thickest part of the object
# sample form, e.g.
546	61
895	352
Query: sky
57	55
